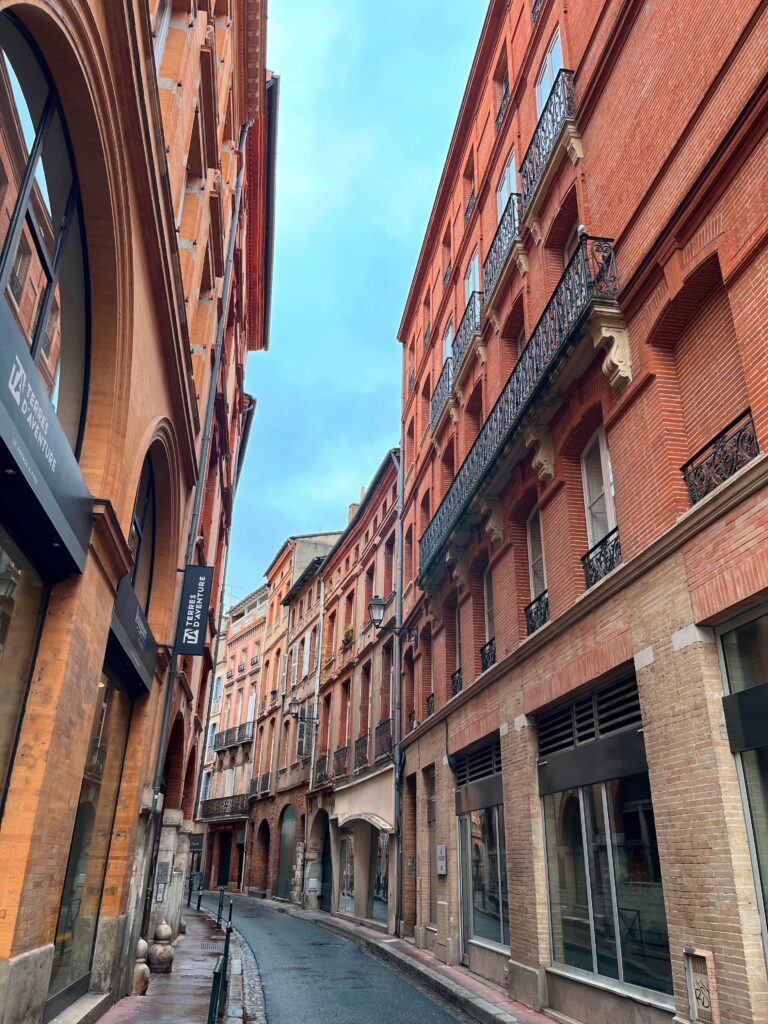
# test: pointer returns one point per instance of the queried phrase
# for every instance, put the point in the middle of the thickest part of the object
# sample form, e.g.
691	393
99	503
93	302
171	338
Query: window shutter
536	556
294	664
305	664
478	764
600	714
594	493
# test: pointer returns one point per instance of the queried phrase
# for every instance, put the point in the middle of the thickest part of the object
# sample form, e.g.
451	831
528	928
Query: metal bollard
199	895
189	890
220	911
224	986
230	912
213	1005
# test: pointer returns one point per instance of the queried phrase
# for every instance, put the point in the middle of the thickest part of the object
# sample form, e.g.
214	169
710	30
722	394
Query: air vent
478	764
613	709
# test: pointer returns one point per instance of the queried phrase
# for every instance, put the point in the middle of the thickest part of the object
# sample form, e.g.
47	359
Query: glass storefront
22	600
89	849
379	875
485	874
346	873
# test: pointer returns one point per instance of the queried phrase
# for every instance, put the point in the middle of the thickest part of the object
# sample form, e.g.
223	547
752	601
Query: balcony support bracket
539	438
457	562
494	526
608	331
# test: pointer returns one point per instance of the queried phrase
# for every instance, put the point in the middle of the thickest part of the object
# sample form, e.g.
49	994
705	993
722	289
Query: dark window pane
68	363
600	880
486	893
27	282
503	874
746	654
755	764
571	939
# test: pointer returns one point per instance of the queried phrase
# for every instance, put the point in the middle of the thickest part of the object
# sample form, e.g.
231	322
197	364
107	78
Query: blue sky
367	107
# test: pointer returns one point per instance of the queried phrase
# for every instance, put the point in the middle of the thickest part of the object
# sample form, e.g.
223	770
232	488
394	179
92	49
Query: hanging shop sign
193	609
131	648
45	501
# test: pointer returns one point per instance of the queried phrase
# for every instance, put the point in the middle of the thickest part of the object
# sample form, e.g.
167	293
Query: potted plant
348	635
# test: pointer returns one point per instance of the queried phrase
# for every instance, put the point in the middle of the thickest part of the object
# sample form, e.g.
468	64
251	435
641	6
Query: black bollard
189	890
199	895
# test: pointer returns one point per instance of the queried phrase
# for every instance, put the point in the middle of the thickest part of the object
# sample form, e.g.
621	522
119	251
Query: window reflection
486	914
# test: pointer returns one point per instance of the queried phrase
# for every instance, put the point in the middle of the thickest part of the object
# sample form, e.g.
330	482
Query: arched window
142	536
43	271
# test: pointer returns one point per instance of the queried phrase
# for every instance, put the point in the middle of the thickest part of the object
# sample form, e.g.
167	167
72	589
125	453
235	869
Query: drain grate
212	947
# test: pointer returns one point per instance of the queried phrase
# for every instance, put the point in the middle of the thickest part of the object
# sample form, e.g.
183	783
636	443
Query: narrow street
312	975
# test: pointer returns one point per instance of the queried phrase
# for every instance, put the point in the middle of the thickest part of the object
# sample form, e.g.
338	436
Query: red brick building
585	517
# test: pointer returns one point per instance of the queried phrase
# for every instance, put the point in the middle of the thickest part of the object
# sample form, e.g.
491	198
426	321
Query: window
206	786
304	730
389	566
457	627
429	781
160	29
229	781
19	270
472	277
448	339
597	480
536	570
251	705
469	188
141	539
306	644
211	735
490	627
507	184
571	244
446	256
552	63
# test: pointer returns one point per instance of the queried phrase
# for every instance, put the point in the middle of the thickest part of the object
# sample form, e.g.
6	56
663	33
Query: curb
245	995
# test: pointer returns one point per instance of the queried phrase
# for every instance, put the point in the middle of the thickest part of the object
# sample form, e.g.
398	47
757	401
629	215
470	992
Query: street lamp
376	608
294	706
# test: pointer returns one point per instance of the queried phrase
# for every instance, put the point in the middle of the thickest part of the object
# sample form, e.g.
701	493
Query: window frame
536	513
472	276
547	66
506	180
599	437
448	340
489	620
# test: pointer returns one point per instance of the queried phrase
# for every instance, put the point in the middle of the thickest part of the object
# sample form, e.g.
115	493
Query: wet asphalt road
312	976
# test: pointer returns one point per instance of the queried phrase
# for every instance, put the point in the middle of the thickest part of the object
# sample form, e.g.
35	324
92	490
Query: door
225	852
286	854
327	886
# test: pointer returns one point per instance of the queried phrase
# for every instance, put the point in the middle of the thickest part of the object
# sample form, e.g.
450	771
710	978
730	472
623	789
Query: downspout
204	451
319	653
399	687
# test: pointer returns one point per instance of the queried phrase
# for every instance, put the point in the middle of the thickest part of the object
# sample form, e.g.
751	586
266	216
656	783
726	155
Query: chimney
352	509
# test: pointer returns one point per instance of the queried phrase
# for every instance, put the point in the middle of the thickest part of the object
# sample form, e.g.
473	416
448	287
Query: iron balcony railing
255	660
712	465
559	108
266	779
230	673
430	702
590	275
537	612
602	558
470	205
16	286
447	274
383	738
456	682
427	332
506	234
488	654
441	392
361	750
231	737
537	4
502	106
341	762
225	807
411	380
321	769
241	667
412	723
470	322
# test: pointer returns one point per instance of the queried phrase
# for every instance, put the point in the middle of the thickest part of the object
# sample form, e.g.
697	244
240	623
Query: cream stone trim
539	437
644	659
568	144
457	563
495	526
608	330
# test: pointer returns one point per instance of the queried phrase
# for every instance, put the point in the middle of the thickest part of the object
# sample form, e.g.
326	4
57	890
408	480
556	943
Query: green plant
348	634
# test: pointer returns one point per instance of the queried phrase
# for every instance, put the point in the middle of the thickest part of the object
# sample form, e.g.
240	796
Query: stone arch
260	865
174	764
318	873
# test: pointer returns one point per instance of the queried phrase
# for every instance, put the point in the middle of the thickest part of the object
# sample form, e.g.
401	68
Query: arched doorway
287	852
319	863
261	856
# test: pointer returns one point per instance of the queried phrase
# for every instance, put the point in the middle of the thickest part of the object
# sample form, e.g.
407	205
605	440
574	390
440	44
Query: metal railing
590	275
470	322
441	392
427	332
537	612
430	702
231	737
361	750
506	234
602	558
537	4
241	667
559	108
488	654
16	285
383	739
470	205
341	762
502	106
255	660
447	274
230	673
321	769
412	723
724	455
266	780
225	806
411	380
456	682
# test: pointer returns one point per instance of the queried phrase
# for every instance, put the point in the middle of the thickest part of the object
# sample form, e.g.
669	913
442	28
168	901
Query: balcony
488	654
430	702
602	558
456	682
554	137
266	779
725	454
537	612
232	737
341	762
321	769
361	750
254	660
505	253
441	394
383	739
537	5
469	329
230	673
503	104
582	315
225	807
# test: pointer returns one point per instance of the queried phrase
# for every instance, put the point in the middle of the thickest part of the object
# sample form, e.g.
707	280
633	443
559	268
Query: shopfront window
22	598
142	536
89	848
380	875
482	838
43	277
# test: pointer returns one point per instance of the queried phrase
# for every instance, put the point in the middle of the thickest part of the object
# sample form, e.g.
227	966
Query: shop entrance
225	853
287	853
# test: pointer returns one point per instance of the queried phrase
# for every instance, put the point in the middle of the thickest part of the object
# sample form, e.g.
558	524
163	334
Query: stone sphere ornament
160	955
141	972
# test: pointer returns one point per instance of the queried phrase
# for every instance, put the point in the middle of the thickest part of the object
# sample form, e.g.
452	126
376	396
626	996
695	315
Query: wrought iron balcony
266	779
341	762
412	723
225	807
488	654
470	322
321	769
447	274
559	108
537	4
502	106
255	660
441	392
231	737
241	667
383	739
602	558
590	275
430	702
456	682
427	332
16	285
537	612
470	205
230	673
361	750
507	233
411	380
725	454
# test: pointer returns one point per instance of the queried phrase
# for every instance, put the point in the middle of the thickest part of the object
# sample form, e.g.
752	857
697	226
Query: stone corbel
540	438
453	410
536	230
520	256
457	562
493	316
495	524
608	331
573	146
480	350
432	598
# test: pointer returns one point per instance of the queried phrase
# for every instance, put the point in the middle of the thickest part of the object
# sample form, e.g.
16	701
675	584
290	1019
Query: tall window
217	688
142	536
457	627
448	339
536	571
490	625
507	184
472	277
43	277
552	63
597	480
429	780
160	29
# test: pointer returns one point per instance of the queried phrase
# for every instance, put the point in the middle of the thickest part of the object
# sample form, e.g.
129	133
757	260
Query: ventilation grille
610	710
478	764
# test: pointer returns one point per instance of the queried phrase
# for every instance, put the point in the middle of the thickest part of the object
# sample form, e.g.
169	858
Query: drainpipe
399	686
204	451
319	654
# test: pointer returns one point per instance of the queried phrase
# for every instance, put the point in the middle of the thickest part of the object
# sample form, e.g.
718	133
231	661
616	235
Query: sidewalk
480	999
184	994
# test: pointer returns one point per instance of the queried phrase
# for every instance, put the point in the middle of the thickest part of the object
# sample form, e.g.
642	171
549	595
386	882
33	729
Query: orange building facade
120	155
584	416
